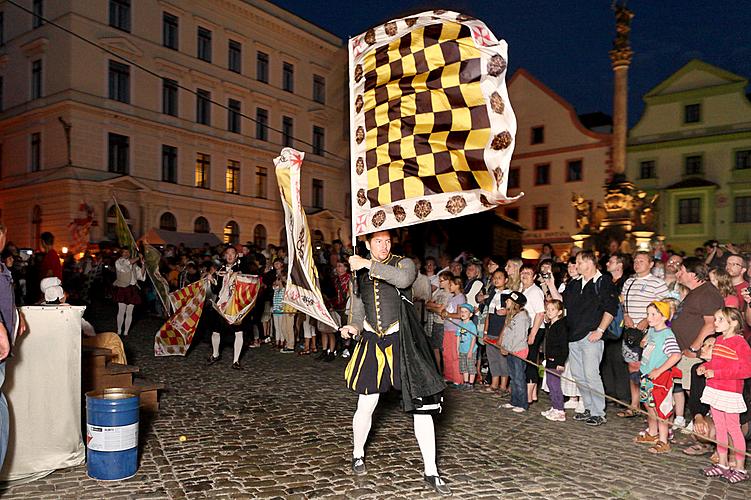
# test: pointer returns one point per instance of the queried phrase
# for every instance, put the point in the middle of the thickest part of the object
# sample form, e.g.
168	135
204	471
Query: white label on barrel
119	438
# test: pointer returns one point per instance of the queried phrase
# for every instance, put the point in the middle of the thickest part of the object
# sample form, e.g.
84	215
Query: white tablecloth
43	388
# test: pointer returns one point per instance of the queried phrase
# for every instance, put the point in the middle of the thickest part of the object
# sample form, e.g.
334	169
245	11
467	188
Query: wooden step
112	375
149	394
96	357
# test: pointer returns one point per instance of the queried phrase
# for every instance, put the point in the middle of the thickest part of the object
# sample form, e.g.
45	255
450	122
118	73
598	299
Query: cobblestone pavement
281	428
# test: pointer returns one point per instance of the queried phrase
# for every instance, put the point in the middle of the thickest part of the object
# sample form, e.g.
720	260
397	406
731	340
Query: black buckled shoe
236	366
213	359
358	466
438	484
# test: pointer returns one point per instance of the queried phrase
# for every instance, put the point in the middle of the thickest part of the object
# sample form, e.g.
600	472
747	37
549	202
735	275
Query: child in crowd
494	321
514	344
283	322
661	354
729	364
437	302
466	339
556	354
450	315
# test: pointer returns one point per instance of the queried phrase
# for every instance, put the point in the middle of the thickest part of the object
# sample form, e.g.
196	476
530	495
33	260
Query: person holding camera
638	292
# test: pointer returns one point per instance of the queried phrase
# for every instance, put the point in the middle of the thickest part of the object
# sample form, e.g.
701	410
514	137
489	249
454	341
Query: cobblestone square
280	428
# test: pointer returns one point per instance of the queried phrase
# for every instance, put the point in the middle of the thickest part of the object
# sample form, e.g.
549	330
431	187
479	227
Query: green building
692	145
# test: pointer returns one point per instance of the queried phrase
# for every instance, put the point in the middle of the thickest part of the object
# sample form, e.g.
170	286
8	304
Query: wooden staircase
99	372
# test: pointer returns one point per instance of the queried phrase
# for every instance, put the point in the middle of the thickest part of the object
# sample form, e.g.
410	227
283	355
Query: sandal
646	438
627	413
715	470
303	353
490	390
698	449
659	448
734	476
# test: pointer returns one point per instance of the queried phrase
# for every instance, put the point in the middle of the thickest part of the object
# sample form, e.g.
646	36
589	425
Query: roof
692	182
156	236
720	76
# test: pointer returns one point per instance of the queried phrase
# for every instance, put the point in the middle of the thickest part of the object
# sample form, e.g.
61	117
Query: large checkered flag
432	130
175	336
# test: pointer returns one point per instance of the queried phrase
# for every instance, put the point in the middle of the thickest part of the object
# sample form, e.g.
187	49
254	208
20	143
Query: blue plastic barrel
112	434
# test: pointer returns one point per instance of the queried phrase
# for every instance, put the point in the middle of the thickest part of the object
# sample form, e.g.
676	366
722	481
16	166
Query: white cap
52	289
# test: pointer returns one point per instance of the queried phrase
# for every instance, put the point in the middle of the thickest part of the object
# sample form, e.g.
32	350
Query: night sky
565	43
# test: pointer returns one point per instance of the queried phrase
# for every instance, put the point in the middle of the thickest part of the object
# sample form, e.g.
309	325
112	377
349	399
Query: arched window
168	222
259	236
201	225
232	233
112	221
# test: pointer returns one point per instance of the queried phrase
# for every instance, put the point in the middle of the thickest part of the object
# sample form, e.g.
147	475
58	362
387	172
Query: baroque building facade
162	129
556	159
692	146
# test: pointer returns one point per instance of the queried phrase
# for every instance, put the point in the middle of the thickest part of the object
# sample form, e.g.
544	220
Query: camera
545	276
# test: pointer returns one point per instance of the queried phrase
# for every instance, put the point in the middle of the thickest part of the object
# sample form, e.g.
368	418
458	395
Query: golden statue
583	210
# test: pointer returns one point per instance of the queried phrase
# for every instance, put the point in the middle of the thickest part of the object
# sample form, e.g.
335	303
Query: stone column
620	58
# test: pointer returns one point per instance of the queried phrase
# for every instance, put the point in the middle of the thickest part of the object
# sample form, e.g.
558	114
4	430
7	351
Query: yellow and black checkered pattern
426	121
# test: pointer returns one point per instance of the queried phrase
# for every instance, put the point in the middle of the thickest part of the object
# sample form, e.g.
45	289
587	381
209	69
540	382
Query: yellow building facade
555	157
162	131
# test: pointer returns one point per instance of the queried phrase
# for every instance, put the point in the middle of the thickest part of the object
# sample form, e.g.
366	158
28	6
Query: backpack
614	331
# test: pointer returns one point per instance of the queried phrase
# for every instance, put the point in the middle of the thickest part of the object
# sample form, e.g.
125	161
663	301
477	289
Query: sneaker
582	416
571	404
213	359
580	406
358	466
556	415
518	409
507	406
679	422
547	412
345	354
267	340
437	484
469	387
287	351
330	357
689	429
595	421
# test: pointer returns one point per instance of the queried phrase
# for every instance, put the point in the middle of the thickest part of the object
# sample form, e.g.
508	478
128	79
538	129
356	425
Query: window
120	14
233	115
36	152
234	62
538	135
201	225
317	193
232	233
541	218
319	89
514	177
694	165
262	67
233	177
742	158
542	174
169	97
319	140
262	124
168	222
37	9
259	236
203	164
169	164
203	107
118	157
288	125
36	79
513	213
573	170
204	44
288	77
743	209
692	113
170	31
647	170
119	84
689	211
261	175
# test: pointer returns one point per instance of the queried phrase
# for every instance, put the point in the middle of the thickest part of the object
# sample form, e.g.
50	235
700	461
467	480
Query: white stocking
215	338
120	317
425	434
366	405
238	346
128	318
